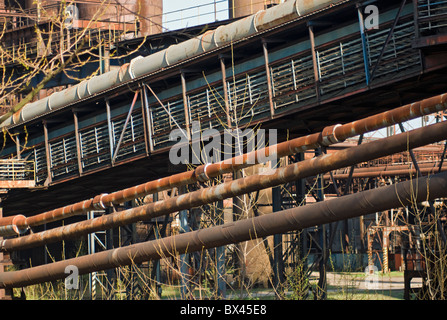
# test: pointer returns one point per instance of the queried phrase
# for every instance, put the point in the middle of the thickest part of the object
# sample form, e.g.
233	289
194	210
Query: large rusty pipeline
388	171
299	170
346	207
329	136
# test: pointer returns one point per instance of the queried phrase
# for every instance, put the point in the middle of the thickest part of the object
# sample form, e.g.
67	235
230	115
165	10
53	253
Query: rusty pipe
346	207
11	226
329	135
387	171
390	117
299	170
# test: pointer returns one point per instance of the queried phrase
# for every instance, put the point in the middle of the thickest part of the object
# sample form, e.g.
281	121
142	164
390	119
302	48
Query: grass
341	286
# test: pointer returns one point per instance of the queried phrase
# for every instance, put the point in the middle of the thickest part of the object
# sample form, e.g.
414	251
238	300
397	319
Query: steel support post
301	195
220	256
148	116
238	204
145	120
416	19
184	258
156	273
18	148
91	250
47	153
110	273
314	60
278	262
322	238
345	192
225	90
5	294
78	142
110	130
364	44
268	76
185	105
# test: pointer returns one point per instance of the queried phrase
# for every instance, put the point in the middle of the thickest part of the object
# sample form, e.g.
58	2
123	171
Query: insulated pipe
346	207
328	136
176	53
295	171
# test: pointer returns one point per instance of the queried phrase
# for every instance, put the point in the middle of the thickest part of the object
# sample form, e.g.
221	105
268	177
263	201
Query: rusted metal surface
387	171
299	170
398	115
337	209
9	226
330	135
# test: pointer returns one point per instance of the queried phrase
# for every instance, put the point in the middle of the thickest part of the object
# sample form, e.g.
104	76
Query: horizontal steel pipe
306	168
330	135
350	206
388	171
394	116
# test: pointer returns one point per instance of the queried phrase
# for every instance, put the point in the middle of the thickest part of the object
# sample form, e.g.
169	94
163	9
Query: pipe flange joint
200	173
131	66
328	136
98	202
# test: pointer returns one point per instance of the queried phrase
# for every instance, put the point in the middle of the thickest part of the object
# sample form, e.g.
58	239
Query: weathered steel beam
389	171
9	226
350	206
293	172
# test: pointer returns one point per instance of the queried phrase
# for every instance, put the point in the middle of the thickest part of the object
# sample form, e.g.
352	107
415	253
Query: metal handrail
17	169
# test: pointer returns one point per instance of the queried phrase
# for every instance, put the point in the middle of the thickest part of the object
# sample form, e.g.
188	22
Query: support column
184	258
314	60
47	153
220	257
78	142
148	118
185	105
110	129
300	186
364	45
225	90
278	263
322	281
91	250
269	80
5	294
156	273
